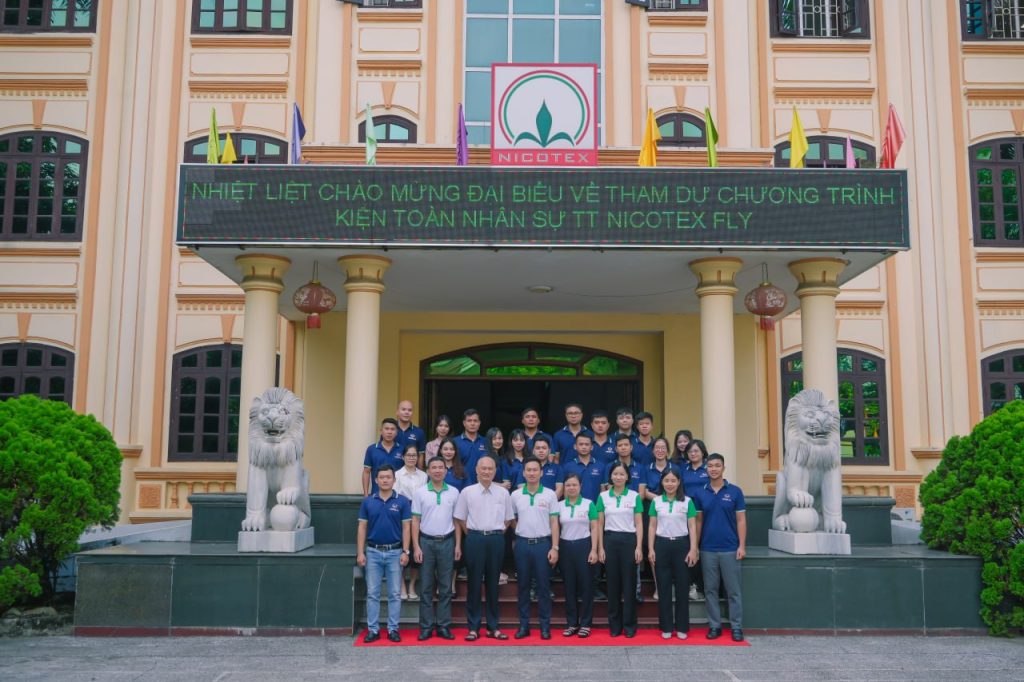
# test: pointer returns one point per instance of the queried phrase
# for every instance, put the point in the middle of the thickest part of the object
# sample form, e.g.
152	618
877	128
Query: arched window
242	16
514	360
863	419
390	129
996	185
249	148
992	19
36	16
42	185
206	383
1002	379
826	151
681	130
35	368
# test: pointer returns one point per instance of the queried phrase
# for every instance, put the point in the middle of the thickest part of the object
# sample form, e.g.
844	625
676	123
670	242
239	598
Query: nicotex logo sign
544	114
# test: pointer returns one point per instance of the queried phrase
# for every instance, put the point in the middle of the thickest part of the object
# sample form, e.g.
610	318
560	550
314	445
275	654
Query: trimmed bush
59	474
973	504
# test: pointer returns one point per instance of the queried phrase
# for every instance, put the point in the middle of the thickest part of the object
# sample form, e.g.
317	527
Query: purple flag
298	132
462	141
851	162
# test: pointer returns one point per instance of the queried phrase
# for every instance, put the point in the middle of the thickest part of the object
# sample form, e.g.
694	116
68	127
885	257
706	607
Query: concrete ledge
288	541
808	543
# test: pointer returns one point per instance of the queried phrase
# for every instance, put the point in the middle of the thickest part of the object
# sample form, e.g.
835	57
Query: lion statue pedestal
277	501
808	513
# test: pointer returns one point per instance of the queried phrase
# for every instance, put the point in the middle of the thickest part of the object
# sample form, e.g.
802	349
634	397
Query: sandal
496	634
570	631
584	633
472	636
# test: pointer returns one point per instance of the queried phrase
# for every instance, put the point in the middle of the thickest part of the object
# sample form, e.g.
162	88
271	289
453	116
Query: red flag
894	136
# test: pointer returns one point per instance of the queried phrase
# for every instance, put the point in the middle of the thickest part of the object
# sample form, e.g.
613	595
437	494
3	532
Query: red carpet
598	637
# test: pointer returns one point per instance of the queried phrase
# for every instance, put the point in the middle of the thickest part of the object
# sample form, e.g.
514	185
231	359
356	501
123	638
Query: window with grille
824	151
248	148
393	4
242	16
37	16
996	169
820	18
390	129
863	419
681	130
992	19
37	369
42	185
677	5
206	383
1002	379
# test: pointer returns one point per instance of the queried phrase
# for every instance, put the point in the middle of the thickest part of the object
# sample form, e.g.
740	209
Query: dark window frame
854	18
677	5
241	28
237	138
11	161
388	4
45	372
1011	377
678	118
389	120
182	369
479	354
46	11
822	162
999	222
858	377
976	20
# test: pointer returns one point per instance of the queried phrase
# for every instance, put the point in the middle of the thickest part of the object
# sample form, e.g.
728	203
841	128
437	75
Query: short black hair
470	412
576	405
622	436
542	438
618	465
530	460
644	415
389	420
527	410
436	458
623	410
598	414
715	455
584	434
384	467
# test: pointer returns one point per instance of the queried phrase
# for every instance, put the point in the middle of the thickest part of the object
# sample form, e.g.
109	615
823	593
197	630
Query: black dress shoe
545	634
522	633
630	634
371	636
425	634
737	635
714	633
614	633
445	633
393	636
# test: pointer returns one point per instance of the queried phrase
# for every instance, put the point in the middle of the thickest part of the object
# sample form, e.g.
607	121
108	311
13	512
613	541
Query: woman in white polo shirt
578	539
673	520
620	517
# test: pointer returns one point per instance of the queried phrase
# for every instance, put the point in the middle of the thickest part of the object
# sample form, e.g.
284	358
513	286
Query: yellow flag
229	150
797	143
649	148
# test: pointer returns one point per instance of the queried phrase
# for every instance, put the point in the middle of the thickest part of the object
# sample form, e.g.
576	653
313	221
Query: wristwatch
405	551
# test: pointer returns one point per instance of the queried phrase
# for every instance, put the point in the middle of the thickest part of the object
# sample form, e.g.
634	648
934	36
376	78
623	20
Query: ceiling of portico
498	280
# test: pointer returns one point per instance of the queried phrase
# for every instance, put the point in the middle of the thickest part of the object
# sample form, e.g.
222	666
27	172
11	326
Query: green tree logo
543	123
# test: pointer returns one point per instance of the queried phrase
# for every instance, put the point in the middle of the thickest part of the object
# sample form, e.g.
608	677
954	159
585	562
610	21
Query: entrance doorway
500	380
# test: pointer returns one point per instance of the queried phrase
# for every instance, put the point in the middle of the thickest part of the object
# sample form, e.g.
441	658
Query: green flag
712	135
213	141
371	139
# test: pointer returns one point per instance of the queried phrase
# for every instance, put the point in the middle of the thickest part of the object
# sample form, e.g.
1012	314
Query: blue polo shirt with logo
454	481
654	476
510	471
470	451
565	444
591	477
384	518
718	522
377	456
644	454
413	434
637	475
530	439
694	480
605	453
550	474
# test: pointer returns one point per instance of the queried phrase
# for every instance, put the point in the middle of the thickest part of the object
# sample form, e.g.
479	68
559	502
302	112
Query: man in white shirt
536	510
436	547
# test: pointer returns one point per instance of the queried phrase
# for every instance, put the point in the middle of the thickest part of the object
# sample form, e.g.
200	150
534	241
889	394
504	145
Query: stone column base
809	543
289	541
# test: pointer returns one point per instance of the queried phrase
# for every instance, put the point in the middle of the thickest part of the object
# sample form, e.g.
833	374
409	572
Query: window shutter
786	18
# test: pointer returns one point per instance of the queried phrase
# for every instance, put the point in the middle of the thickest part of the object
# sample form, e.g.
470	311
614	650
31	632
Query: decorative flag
213	140
229	150
712	135
797	143
894	136
298	132
371	139
649	148
851	161
462	141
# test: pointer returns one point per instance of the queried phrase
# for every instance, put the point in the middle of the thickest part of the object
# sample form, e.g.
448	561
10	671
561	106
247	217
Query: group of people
584	501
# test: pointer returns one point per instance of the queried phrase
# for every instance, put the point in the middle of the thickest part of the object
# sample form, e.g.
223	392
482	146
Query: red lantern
766	301
314	298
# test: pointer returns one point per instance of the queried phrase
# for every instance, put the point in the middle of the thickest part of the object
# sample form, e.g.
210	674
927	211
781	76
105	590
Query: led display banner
596	208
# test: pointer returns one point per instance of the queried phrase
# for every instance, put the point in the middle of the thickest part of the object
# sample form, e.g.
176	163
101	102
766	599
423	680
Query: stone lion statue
808	490
276	435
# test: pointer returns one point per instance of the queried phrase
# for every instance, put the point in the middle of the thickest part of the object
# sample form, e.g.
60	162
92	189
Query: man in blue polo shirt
382	547
552	477
643	440
604	447
531	426
624	454
590	471
384	451
472	446
722	529
409	433
564	443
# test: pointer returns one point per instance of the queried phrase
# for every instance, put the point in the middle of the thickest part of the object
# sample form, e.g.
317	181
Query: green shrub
59	474
973	504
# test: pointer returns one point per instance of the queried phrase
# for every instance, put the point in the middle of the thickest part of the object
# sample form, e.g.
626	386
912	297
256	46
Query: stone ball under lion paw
284	517
801	519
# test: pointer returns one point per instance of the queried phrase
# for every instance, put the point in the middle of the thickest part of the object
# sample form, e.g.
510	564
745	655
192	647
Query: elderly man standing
483	512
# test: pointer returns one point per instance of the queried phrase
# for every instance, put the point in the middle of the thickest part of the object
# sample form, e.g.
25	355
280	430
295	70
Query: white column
716	289
364	284
262	283
817	288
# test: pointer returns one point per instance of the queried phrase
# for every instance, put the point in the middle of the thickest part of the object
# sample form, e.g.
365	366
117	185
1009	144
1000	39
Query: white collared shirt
576	518
534	511
484	508
619	510
407	483
435	509
672	516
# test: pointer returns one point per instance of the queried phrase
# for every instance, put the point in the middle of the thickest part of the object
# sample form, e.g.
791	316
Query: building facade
102	100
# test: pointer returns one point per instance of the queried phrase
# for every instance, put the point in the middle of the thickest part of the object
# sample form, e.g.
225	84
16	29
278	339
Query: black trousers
532	567
483	554
578	576
619	549
672	572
